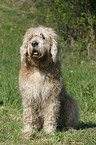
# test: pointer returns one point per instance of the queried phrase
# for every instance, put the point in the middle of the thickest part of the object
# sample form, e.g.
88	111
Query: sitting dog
45	102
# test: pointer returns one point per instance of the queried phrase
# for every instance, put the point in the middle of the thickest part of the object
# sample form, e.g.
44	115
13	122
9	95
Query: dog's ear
55	47
22	52
24	47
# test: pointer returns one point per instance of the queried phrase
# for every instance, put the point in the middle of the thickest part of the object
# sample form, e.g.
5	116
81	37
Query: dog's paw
50	129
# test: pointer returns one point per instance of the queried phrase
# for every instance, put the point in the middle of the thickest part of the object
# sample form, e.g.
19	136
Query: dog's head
39	45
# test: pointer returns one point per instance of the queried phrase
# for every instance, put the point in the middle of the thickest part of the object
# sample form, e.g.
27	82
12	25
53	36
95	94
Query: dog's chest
38	85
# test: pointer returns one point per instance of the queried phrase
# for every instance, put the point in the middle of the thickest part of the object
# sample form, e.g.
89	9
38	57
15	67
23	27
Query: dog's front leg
50	116
27	118
27	115
31	117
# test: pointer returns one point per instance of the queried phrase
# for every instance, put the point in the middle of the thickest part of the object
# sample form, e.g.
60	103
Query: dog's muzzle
36	52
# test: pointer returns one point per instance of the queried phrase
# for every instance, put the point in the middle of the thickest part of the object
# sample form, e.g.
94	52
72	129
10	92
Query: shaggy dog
45	102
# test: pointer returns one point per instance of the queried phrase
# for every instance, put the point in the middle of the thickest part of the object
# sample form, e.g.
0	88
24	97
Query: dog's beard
36	58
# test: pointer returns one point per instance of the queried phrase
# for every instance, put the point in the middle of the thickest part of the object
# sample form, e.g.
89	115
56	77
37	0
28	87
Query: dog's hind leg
69	113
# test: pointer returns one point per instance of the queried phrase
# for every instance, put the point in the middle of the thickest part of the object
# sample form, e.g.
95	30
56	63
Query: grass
80	80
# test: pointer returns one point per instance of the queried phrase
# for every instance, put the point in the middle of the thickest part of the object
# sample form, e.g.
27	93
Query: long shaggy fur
45	102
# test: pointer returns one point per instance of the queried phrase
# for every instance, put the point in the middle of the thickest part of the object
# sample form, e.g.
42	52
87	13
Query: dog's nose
34	43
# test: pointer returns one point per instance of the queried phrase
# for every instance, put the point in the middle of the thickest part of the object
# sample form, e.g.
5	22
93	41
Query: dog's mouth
36	54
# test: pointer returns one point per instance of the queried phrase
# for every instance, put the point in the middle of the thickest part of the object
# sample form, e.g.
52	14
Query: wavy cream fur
45	102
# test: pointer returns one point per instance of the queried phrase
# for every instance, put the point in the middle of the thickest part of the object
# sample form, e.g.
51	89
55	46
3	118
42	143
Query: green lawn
80	81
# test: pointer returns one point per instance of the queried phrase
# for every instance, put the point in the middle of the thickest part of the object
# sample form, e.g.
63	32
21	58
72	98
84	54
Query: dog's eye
42	36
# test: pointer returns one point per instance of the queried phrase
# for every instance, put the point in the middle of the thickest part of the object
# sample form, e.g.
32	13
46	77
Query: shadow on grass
82	125
89	126
1	103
